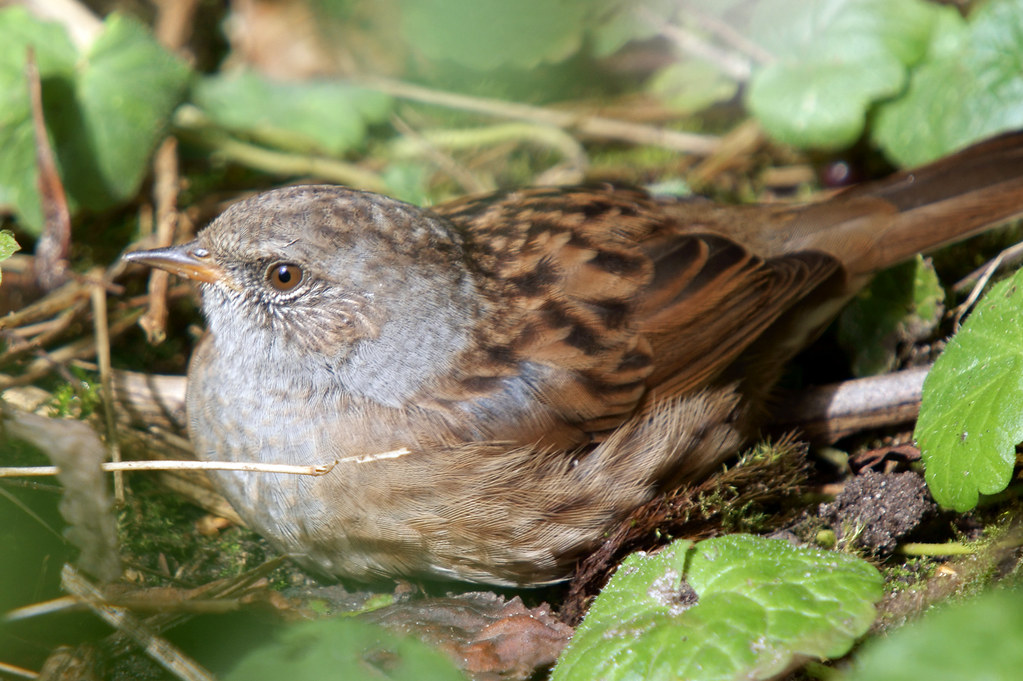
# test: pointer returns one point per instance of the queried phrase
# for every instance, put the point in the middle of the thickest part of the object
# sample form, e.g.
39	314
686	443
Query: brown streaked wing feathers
615	299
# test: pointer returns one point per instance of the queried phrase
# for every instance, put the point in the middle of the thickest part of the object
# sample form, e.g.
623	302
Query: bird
536	362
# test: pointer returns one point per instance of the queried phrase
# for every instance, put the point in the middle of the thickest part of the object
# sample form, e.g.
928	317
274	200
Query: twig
289	469
831	412
1010	256
165	190
174	22
594	126
50	607
79	349
99	315
51	266
28	338
20	672
980	277
172	659
57	301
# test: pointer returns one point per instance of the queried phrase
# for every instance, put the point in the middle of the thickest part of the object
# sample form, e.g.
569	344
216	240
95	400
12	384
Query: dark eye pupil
284	276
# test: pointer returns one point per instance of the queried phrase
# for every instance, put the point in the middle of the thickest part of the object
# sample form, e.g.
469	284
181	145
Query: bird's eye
284	276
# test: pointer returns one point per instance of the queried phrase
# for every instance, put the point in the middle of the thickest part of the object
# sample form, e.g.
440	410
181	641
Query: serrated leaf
969	88
322	117
761	603
901	305
487	34
344	648
105	113
126	92
974	639
834	59
971	417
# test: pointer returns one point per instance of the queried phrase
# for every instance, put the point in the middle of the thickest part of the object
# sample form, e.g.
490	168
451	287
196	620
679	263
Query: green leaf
834	59
486	34
969	88
975	639
126	92
55	58
104	112
344	648
762	602
971	417
901	305
321	117
8	245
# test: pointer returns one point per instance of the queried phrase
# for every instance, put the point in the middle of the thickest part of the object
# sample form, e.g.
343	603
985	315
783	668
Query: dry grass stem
99	312
162	465
593	126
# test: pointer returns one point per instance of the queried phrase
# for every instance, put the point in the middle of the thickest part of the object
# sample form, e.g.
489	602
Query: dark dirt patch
875	509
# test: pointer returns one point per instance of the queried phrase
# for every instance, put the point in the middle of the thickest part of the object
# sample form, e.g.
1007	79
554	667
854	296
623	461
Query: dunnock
551	358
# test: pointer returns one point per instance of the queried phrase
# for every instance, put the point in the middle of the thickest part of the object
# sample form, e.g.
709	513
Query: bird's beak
186	260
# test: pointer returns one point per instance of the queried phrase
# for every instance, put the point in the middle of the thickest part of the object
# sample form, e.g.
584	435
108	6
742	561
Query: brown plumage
550	357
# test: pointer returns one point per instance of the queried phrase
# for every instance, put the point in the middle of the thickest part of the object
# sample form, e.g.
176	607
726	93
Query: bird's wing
603	297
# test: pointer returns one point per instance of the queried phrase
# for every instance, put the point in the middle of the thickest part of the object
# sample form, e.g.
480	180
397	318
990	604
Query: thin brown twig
174	20
47	307
51	265
172	659
85	347
29	338
165	190
978	279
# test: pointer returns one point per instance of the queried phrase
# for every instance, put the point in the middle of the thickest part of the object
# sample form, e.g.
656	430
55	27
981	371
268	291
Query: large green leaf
761	603
322	117
832	60
970	86
971	417
975	639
